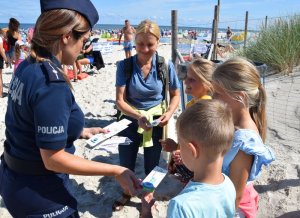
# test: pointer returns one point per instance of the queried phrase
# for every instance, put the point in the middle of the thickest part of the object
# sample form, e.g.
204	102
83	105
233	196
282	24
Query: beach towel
82	76
70	74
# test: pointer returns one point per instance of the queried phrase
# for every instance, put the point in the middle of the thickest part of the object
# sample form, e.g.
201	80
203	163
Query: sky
198	13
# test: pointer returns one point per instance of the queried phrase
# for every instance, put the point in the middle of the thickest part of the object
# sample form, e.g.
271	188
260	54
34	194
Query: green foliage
278	45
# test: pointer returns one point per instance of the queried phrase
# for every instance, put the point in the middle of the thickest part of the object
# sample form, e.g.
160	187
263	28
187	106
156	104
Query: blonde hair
239	75
49	28
147	26
204	70
210	123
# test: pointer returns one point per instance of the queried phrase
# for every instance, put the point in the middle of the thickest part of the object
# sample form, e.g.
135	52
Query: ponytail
258	113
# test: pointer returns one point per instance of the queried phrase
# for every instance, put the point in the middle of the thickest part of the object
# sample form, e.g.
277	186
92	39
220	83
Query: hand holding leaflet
154	123
113	128
153	179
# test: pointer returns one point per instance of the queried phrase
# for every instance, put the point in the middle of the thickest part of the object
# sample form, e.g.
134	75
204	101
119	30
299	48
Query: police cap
84	7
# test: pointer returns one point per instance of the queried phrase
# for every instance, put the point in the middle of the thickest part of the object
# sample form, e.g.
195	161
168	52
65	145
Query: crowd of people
221	134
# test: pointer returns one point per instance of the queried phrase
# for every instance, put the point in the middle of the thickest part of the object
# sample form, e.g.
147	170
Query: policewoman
43	119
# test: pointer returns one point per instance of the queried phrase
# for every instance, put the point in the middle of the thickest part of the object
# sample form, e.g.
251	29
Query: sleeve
120	75
175	210
263	155
52	108
174	81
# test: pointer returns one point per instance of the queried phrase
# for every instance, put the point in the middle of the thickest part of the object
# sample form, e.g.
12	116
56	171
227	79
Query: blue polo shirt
41	111
145	93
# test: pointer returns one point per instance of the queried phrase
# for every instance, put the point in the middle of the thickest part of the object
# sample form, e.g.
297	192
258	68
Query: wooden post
174	34
217	28
266	22
246	30
212	31
215	32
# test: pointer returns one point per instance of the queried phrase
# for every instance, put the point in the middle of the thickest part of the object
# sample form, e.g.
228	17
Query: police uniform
41	114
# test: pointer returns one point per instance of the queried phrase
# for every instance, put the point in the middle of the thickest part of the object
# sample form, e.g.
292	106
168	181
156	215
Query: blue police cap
84	7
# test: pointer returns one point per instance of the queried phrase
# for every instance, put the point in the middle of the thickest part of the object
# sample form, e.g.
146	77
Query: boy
205	133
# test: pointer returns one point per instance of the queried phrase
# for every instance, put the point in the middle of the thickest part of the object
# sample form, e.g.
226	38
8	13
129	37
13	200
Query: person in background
12	35
140	99
28	39
128	32
43	119
85	57
2	59
229	34
237	83
210	193
19	54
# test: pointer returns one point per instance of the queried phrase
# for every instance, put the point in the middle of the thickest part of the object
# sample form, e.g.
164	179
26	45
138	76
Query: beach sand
278	186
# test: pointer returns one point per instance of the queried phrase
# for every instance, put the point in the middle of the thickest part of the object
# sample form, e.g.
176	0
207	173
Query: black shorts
1	62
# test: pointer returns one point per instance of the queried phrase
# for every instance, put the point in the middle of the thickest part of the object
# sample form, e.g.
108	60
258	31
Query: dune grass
278	45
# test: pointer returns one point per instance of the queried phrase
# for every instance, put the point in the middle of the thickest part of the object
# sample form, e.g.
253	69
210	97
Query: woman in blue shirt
43	119
141	100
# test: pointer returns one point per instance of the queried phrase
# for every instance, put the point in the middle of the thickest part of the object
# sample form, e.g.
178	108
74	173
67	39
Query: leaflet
155	176
114	128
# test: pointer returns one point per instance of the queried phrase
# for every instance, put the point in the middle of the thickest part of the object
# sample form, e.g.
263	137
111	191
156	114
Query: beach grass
278	45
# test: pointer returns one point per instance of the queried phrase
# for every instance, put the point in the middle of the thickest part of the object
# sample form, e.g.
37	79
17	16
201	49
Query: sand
278	186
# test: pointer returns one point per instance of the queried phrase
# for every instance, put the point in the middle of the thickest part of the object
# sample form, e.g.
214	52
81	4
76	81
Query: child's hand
177	157
147	204
168	144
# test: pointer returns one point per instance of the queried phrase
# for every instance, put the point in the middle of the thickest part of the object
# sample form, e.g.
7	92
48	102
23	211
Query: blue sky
190	12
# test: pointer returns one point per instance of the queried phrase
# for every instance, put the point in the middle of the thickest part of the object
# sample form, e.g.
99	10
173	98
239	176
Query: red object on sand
70	74
186	58
82	76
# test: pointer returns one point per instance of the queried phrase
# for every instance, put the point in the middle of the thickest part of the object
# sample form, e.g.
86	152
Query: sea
26	26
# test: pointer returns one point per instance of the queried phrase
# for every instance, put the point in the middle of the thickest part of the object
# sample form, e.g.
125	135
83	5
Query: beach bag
98	60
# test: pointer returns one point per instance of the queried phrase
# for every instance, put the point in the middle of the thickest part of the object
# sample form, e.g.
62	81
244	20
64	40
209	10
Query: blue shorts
91	59
36	196
128	45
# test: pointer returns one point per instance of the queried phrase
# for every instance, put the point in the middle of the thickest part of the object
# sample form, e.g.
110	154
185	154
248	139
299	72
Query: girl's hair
17	51
204	70
13	25
50	27
147	26
239	75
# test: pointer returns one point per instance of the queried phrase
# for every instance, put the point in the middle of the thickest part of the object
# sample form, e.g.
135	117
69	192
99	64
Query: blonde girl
198	84
237	82
19	55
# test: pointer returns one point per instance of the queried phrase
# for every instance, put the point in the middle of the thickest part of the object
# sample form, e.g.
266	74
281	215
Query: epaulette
53	73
